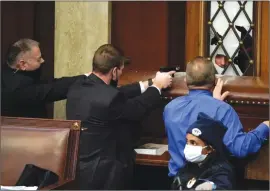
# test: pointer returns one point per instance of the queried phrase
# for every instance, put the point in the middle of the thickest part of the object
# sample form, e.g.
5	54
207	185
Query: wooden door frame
196	39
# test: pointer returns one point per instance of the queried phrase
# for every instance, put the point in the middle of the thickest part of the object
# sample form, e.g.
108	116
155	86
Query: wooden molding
264	43
195	29
257	35
261	31
196	34
202	28
244	90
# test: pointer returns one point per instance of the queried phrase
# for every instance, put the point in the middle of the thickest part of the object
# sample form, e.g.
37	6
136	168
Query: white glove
206	186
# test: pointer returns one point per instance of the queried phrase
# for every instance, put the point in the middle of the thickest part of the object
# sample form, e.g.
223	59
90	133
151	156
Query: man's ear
185	79
114	70
114	73
21	65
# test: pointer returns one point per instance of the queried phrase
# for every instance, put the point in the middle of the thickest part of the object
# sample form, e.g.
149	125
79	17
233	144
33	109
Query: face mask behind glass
194	153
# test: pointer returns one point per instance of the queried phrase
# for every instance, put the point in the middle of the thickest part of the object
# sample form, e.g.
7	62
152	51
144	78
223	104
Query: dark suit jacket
108	113
24	95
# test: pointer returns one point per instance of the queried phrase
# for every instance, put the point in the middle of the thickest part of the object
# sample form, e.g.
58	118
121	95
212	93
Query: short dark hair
200	72
107	57
21	46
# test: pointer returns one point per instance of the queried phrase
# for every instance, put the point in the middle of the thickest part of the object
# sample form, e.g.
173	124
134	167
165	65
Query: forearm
60	87
45	92
241	144
135	89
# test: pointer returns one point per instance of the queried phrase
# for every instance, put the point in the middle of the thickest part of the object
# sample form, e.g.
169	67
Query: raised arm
240	143
136	108
134	89
45	92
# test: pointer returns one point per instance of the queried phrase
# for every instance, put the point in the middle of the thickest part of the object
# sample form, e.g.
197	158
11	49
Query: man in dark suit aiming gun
23	93
108	114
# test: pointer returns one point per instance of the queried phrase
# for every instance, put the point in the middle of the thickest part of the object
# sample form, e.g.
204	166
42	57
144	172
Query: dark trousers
104	174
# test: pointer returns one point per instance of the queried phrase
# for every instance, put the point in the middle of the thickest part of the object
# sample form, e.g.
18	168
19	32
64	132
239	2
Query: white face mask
194	153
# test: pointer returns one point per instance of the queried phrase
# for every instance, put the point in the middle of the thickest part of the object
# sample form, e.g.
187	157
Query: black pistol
169	68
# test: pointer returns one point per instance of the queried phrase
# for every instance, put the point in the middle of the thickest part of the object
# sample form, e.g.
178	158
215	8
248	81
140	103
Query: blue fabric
181	112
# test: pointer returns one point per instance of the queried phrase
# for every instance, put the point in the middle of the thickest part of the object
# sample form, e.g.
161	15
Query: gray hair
18	48
200	72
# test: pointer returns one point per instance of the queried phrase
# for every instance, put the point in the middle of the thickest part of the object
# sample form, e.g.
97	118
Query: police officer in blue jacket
207	167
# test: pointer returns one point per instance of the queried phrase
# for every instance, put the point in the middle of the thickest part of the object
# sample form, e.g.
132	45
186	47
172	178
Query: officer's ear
209	149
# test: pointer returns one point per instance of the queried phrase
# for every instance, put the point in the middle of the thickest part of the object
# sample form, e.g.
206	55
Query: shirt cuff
142	87
213	185
262	131
157	88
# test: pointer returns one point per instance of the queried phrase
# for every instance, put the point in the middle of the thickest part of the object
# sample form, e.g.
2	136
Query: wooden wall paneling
195	29
140	29
44	33
176	33
16	23
264	48
33	20
257	14
151	33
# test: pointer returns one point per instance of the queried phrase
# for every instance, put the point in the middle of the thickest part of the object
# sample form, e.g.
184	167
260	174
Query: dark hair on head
200	72
107	57
21	46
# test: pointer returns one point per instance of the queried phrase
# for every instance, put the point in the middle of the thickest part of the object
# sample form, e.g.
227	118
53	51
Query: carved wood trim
257	35
245	90
264	46
230	101
73	151
202	28
195	29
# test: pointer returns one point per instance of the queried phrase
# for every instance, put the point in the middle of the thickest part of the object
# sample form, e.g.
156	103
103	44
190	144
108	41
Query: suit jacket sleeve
46	92
136	108
131	90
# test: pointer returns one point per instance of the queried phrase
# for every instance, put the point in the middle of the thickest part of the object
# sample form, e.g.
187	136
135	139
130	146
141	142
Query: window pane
230	37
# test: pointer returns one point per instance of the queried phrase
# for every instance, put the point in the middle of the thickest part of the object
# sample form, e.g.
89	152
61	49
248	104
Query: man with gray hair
181	112
22	92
